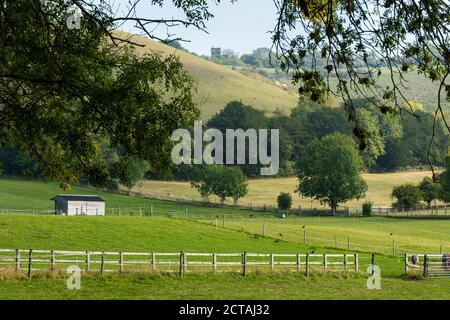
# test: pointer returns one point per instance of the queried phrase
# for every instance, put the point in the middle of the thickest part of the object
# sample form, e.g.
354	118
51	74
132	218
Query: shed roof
79	197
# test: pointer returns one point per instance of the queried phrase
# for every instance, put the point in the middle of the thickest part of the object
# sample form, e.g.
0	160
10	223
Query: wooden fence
428	265
183	262
419	211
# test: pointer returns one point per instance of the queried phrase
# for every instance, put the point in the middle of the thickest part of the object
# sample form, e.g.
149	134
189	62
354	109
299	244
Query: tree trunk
333	208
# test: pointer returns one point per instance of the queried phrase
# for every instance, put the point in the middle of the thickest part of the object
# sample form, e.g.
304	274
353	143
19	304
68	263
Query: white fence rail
37	260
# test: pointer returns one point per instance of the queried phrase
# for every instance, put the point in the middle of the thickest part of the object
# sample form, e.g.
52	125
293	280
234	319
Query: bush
429	190
367	208
284	201
408	196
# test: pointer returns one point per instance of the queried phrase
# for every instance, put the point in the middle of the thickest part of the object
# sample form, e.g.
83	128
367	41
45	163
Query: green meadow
166	232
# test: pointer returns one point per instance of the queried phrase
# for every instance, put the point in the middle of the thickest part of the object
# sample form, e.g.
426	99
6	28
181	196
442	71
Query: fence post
425	266
244	264
264	227
373	264
348	242
53	260
345	262
140	212
335	242
272	264
17	259
304	235
325	262
88	261
153	262
298	262
181	263
307	265
393	247
406	263
356	263
214	262
30	260
121	261
102	266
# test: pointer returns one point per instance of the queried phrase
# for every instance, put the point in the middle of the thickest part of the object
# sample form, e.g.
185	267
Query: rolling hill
218	85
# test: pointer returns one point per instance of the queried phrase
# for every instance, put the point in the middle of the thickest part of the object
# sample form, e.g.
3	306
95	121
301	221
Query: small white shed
78	204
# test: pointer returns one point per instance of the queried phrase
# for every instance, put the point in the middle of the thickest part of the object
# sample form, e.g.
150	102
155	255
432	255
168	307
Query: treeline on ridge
395	142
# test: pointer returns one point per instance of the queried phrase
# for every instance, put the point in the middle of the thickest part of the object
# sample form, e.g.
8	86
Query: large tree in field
445	181
330	171
429	190
72	92
360	40
222	181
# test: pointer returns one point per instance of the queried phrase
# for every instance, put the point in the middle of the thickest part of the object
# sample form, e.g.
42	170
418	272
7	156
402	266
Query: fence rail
183	262
429	265
419	211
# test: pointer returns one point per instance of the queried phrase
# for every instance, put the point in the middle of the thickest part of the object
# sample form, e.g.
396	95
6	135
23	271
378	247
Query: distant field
218	85
162	234
32	194
265	191
170	231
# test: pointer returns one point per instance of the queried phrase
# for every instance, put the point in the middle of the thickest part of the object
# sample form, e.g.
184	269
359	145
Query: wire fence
266	225
417	211
347	239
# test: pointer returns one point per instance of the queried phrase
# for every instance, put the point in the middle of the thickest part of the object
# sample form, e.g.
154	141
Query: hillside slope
218	85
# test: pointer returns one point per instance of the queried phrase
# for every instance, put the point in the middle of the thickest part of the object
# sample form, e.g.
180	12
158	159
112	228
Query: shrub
367	208
284	201
408	196
429	190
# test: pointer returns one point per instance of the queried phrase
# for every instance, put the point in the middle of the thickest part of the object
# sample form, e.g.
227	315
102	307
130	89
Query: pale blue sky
242	26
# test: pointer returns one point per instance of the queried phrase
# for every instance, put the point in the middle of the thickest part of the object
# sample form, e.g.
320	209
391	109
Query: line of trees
409	196
394	142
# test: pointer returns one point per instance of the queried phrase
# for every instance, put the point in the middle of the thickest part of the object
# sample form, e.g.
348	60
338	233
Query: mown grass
34	194
265	191
223	286
162	233
367	234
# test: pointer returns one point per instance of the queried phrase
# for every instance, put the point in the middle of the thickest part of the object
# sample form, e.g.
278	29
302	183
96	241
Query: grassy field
265	191
372	234
32	194
224	286
218	85
366	234
171	233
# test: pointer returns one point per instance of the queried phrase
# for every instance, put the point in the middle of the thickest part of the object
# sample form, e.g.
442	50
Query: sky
242	26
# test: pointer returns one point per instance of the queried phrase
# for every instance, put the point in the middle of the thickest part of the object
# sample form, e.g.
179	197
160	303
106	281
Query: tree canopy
360	40
222	181
63	90
330	171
